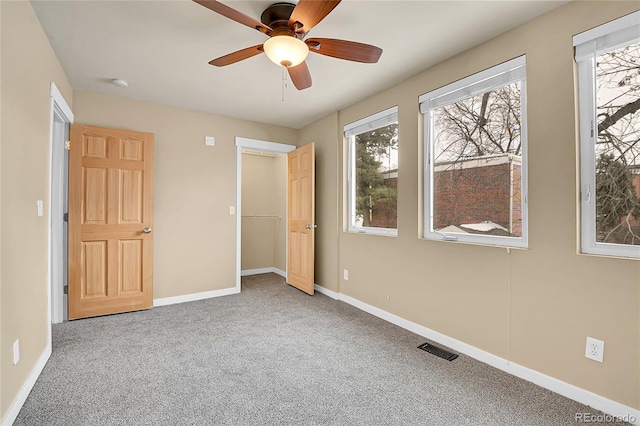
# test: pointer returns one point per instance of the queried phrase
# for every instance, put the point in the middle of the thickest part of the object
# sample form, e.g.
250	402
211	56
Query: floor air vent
449	356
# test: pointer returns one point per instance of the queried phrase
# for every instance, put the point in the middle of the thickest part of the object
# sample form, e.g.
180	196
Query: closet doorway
261	207
264	207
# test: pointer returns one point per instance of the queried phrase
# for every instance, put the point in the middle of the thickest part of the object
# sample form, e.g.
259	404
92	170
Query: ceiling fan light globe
286	51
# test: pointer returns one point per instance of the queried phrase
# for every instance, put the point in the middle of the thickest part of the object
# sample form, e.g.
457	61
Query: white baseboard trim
26	388
248	272
614	409
330	293
619	412
194	296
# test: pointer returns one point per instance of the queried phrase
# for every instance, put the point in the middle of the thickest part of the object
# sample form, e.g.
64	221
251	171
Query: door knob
147	230
311	226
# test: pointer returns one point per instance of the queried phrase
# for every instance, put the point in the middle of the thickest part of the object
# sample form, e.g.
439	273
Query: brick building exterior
478	190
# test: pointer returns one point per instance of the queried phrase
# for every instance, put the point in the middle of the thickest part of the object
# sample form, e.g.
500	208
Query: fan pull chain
284	81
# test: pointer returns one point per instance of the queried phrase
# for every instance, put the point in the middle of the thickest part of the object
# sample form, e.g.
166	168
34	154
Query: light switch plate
209	141
16	352
232	210
40	208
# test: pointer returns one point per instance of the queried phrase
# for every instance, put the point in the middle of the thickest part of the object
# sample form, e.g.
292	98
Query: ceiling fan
286	25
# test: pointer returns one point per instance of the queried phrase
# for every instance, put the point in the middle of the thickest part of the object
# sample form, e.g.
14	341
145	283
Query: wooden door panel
94	146
305	206
301	194
94	261
110	203
131	150
294	165
131	266
95	196
305	161
294	194
130	202
294	247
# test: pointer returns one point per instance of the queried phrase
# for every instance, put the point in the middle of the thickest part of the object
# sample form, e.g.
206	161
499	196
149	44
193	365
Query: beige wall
324	132
280	197
264	192
533	307
194	235
29	65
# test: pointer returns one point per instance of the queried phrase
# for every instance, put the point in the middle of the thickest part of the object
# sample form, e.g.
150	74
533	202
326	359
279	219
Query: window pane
618	146
478	165
376	177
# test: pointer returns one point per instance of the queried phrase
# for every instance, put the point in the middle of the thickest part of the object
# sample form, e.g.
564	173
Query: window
475	158
608	60
373	173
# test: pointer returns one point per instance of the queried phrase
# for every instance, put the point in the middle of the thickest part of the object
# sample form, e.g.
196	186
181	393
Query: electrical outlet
16	352
594	349
346	275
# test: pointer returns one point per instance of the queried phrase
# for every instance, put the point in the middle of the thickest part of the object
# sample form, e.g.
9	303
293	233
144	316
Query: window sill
450	239
381	232
603	253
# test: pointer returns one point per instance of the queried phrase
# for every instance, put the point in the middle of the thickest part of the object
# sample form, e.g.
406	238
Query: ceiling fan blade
343	49
234	15
237	56
308	13
300	76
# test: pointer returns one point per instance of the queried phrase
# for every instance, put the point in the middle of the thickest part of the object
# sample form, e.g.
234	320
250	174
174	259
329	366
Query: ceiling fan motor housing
277	17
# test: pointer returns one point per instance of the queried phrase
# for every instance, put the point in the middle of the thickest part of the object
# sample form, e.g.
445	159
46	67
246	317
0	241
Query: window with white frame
373	173
475	178
608	60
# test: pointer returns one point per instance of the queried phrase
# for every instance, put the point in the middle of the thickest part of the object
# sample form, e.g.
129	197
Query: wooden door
300	209
110	221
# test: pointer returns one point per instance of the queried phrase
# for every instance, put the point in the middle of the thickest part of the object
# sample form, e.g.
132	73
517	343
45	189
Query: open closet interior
264	198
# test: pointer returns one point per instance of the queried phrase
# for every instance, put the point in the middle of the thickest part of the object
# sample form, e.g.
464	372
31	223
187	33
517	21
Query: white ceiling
162	48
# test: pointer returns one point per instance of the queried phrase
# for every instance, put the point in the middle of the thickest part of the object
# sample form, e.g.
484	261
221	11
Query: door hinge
65	217
66	289
67	145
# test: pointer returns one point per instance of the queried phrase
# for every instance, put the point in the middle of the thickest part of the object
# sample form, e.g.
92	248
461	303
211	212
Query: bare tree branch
612	119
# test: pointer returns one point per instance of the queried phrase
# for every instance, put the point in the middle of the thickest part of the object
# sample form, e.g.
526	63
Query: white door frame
255	145
60	112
